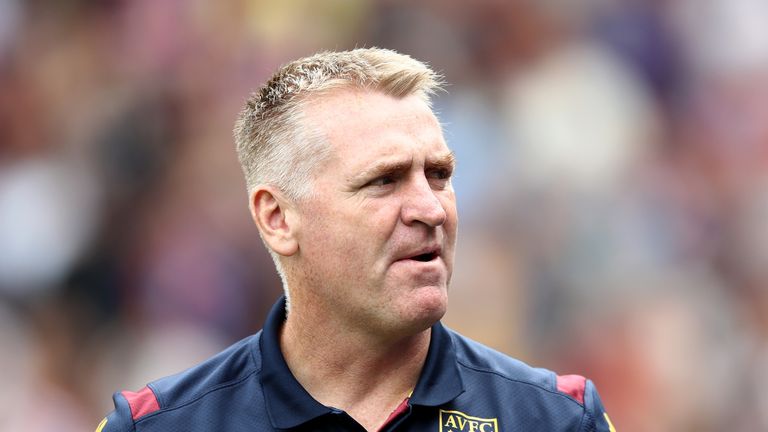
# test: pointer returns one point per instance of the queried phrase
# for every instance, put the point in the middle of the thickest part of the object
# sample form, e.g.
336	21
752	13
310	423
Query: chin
428	307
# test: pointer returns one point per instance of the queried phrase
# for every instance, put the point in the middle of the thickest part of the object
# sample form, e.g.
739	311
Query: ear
272	214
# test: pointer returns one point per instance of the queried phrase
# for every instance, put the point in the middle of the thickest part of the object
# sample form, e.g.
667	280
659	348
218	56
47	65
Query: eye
381	181
440	176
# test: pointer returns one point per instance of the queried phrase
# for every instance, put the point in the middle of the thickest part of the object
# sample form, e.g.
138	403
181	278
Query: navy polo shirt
464	386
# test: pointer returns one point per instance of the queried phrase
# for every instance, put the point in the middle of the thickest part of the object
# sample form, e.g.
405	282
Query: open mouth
425	257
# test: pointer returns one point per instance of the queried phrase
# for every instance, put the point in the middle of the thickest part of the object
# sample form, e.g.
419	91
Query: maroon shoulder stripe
142	402
572	385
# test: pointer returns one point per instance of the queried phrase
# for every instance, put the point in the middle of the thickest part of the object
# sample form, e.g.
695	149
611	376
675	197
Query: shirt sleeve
595	408
119	420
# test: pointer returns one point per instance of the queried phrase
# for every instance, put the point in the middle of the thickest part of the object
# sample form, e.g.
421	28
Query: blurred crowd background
612	184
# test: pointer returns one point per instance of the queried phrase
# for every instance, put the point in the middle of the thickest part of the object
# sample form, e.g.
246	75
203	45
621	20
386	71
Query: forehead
363	124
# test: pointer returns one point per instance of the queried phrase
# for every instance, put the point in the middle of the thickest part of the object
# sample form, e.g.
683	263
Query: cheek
336	235
379	219
451	228
452	220
352	232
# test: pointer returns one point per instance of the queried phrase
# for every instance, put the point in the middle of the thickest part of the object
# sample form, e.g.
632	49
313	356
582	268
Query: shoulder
537	389
480	359
185	391
475	356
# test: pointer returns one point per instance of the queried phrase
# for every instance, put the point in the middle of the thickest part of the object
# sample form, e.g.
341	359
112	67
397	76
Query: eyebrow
446	161
393	167
381	168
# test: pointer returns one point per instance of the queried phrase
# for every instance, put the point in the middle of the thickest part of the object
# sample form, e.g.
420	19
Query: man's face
377	236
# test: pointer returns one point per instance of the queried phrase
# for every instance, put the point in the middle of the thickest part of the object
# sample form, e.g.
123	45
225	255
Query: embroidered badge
457	421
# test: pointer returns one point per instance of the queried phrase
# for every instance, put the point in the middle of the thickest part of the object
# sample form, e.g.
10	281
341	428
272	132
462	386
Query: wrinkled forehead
346	113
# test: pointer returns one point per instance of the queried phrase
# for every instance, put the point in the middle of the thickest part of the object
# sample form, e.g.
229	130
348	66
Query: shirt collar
440	381
289	404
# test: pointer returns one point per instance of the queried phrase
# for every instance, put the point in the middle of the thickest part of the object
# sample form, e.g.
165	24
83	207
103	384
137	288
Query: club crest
457	421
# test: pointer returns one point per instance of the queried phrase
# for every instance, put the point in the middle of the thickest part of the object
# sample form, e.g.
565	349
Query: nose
422	205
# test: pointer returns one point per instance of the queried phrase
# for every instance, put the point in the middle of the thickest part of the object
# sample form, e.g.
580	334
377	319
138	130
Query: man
349	180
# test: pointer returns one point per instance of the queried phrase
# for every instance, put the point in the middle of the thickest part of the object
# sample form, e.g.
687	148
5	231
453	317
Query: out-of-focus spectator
47	218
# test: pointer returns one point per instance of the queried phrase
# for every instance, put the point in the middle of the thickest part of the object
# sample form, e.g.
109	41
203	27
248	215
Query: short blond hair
276	147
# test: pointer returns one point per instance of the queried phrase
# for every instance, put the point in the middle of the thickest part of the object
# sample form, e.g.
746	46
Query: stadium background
612	184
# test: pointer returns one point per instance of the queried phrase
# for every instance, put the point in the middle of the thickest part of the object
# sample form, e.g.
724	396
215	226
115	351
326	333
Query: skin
383	198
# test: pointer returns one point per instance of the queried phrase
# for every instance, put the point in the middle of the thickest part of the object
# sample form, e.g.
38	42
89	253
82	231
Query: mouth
427	255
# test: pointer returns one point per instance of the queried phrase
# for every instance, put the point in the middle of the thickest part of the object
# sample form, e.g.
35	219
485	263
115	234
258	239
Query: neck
364	375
